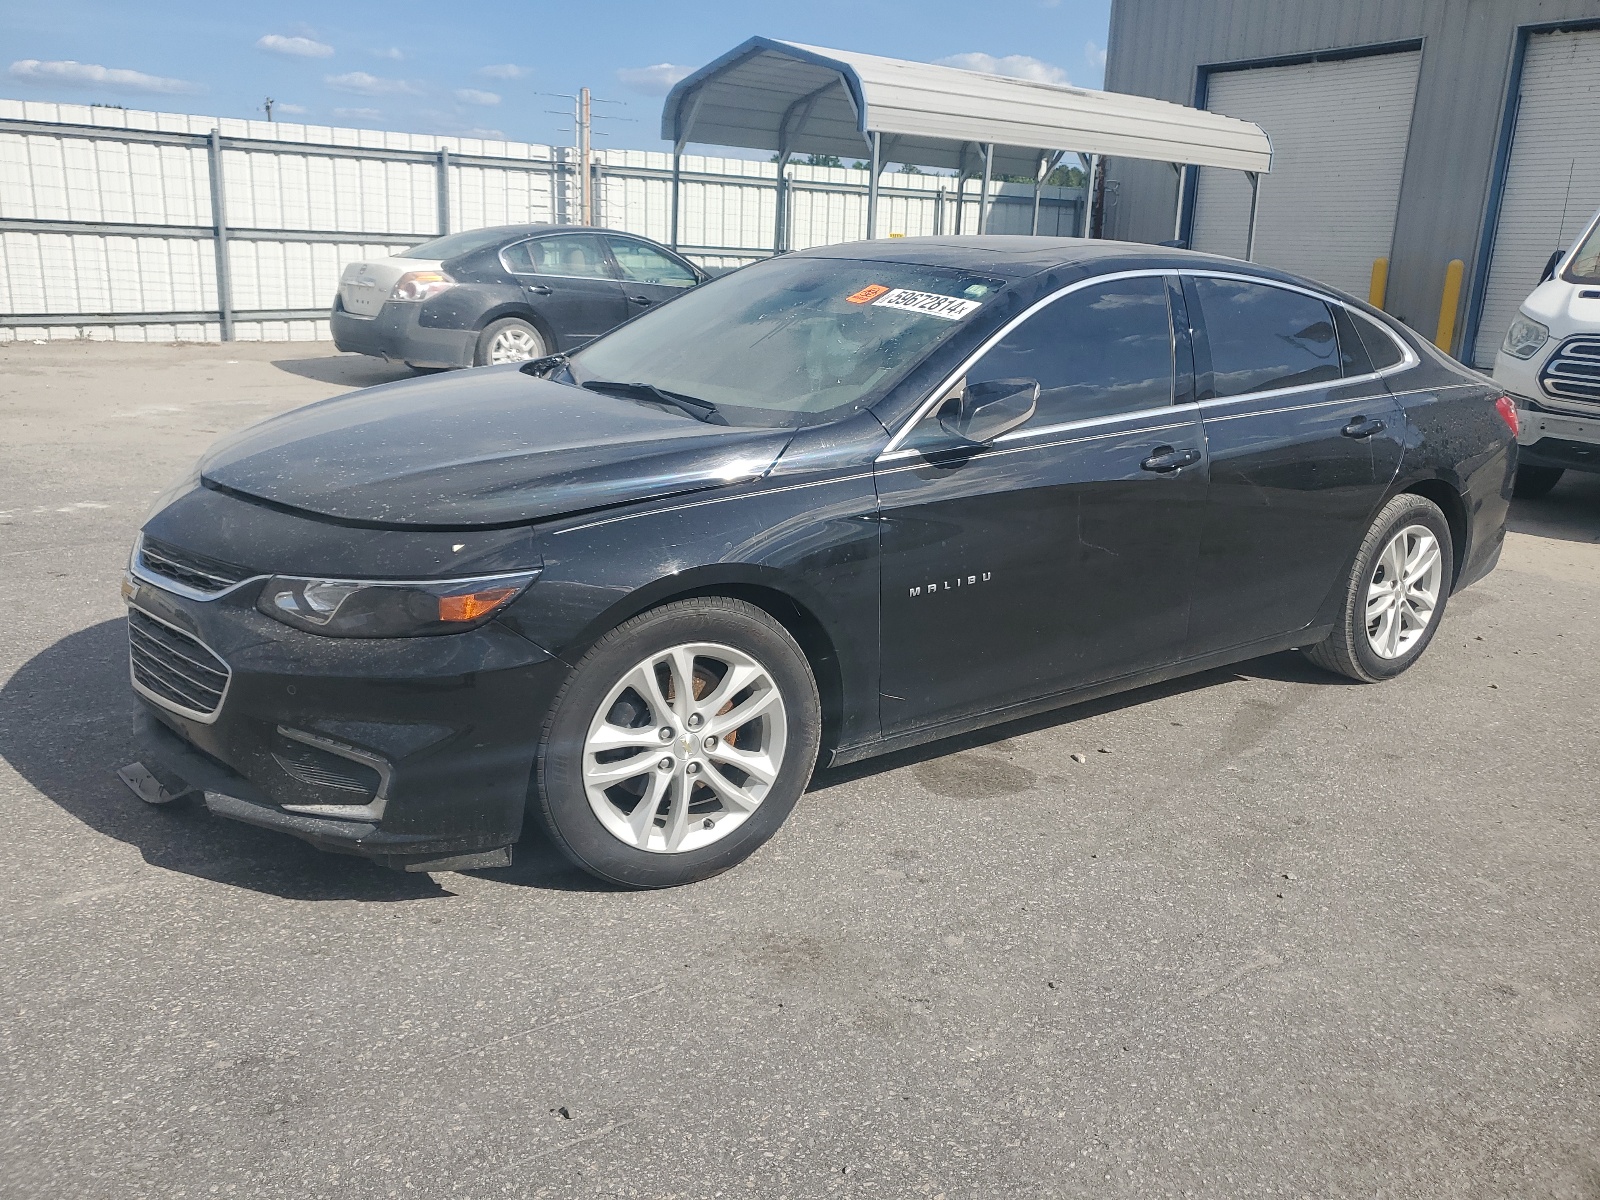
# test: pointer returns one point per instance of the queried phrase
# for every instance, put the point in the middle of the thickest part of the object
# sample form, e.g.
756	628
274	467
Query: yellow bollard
1449	304
1380	282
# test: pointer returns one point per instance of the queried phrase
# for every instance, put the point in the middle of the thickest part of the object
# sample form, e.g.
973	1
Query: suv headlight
377	608
421	285
1525	337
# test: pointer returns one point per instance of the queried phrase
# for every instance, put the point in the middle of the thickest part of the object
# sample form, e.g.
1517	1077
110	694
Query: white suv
1550	361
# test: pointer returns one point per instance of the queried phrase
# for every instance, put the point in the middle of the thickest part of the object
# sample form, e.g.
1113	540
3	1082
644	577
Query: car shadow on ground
349	370
70	752
1570	513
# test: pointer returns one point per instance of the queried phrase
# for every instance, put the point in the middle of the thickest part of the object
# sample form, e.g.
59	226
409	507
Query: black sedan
839	503
502	295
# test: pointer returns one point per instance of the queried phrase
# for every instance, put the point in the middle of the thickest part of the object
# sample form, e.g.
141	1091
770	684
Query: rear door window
1262	338
1381	346
1353	356
579	255
1102	350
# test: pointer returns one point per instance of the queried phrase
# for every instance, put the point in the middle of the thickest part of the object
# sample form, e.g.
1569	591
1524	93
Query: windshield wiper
545	366
700	410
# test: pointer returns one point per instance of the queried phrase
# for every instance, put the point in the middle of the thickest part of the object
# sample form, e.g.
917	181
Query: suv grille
174	668
197	572
1573	372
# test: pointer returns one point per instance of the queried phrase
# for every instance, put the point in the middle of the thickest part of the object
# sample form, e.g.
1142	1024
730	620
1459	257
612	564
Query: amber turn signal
471	606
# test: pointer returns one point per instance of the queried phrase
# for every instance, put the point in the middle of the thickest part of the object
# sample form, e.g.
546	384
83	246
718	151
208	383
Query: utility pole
586	154
268	106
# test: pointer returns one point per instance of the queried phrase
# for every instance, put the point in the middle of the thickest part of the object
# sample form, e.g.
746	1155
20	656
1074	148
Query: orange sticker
867	294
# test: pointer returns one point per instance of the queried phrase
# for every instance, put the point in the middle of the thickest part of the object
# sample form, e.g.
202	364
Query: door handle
1167	461
640	300
1362	428
538	289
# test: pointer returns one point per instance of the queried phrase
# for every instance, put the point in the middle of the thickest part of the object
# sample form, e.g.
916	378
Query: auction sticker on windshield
951	308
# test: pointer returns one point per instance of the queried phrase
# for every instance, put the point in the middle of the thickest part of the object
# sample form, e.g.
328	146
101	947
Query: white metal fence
143	226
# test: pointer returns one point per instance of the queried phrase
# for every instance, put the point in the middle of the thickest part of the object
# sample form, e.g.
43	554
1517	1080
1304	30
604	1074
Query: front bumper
1550	439
397	334
416	752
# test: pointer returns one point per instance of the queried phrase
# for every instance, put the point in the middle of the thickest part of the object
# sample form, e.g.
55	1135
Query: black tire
560	802
1533	482
513	327
1348	650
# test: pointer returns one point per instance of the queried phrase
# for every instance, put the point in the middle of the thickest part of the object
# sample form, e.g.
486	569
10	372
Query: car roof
516	231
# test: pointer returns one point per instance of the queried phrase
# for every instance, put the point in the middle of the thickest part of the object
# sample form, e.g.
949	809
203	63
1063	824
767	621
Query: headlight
421	285
1525	337
372	608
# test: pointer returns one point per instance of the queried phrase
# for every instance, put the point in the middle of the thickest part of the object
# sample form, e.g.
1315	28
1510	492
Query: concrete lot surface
1278	935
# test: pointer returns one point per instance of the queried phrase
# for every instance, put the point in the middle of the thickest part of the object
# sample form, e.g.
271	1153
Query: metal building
1419	131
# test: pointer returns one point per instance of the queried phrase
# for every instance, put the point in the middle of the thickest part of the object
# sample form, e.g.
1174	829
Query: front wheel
509	340
1533	482
679	744
1395	594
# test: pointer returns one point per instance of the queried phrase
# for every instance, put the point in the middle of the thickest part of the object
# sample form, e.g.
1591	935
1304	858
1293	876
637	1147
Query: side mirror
1550	267
985	410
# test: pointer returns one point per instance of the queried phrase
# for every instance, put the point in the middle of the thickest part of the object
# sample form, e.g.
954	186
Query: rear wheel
679	744
1533	482
1395	595
509	340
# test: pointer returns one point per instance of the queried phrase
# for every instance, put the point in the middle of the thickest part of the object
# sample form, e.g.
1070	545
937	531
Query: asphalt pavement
1276	935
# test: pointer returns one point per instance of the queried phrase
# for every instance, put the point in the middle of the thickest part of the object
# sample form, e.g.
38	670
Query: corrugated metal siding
728	208
1157	47
1339	134
1553	183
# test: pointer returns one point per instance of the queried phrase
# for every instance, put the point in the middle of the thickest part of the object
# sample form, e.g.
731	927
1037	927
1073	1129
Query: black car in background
840	502
502	295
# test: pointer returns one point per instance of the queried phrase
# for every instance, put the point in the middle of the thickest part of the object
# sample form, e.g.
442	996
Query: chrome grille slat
174	668
187	568
1572	374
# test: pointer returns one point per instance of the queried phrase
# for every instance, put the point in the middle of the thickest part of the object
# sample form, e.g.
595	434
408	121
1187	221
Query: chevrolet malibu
840	503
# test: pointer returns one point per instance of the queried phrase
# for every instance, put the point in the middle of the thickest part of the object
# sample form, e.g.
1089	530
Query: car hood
485	447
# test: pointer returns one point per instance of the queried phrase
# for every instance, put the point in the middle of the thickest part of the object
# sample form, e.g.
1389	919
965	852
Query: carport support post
1255	205
983	198
219	225
780	222
444	191
1177	221
872	185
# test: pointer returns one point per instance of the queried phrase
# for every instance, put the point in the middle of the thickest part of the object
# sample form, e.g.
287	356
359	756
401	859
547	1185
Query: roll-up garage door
1552	183
1339	132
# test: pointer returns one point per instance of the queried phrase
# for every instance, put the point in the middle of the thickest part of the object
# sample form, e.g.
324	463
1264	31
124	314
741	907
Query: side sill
844	755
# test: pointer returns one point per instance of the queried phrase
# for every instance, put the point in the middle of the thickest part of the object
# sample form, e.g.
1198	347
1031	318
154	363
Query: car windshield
1585	265
454	245
792	341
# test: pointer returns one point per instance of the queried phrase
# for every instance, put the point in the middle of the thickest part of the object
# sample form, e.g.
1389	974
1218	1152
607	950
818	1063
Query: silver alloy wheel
684	747
515	344
1403	594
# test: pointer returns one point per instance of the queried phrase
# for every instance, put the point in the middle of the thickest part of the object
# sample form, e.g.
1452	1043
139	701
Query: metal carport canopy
794	99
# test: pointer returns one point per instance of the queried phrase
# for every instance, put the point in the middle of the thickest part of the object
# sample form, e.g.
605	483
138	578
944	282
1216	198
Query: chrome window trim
1409	358
545	237
373	809
1070	441
192	714
139	571
1017	435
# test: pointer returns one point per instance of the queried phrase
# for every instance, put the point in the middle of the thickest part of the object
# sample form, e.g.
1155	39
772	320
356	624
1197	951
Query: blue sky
480	67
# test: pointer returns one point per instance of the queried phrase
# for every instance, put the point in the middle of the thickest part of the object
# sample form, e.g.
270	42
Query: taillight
421	285
1507	408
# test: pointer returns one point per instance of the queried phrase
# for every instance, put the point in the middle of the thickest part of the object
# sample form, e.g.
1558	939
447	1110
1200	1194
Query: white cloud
1096	54
294	110
393	54
474	96
295	47
363	84
653	81
503	71
67	73
1018	66
357	114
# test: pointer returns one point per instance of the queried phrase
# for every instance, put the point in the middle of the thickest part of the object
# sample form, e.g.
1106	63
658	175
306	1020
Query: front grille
197	572
1573	372
174	668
